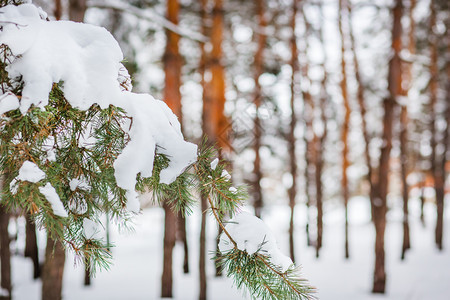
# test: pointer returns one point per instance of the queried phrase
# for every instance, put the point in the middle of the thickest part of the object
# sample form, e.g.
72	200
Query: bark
379	204
182	236
5	254
53	270
202	261
31	247
208	130
170	220
437	168
343	7
58	10
87	273
77	10
257	100
404	172
407	79
291	137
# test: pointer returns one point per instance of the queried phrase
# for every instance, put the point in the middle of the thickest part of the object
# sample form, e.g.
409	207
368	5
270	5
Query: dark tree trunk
257	100
202	260
292	192
182	236
404	172
343	9
87	272
77	9
379	204
170	220
31	247
5	254
53	270
58	10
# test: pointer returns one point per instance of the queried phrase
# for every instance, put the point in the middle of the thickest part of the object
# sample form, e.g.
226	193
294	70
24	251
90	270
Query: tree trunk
53	270
379	203
77	9
5	254
258	66
202	261
182	236
31	247
170	220
58	10
404	172
208	130
87	272
343	8
292	192
437	168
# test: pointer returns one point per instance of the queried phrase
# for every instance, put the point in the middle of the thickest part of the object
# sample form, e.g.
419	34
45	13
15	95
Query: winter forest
300	149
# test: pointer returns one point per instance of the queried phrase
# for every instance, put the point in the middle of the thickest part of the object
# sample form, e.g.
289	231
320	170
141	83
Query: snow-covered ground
136	271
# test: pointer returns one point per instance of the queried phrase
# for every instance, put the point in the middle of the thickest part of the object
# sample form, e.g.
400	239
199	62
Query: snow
253	236
30	172
77	183
86	59
50	194
233	190
214	163
136	271
8	102
225	175
91	229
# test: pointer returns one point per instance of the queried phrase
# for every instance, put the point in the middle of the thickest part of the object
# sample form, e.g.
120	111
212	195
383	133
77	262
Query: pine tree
72	153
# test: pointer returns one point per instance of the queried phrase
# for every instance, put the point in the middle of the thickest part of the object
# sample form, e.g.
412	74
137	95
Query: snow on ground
137	268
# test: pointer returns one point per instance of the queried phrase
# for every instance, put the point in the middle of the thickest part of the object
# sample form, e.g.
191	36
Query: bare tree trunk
208	130
437	169
182	236
170	220
77	9
87	272
58	10
53	270
291	137
345	126
257	100
379	204
31	247
404	172
5	254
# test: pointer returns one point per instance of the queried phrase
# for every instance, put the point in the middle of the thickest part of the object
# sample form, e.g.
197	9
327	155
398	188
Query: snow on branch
149	15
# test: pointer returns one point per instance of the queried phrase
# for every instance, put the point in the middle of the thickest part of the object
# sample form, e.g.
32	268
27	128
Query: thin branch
149	15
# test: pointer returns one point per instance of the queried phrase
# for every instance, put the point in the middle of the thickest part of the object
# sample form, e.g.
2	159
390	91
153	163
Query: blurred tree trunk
170	220
77	10
172	97
53	270
292	192
407	78
343	9
404	172
258	65
320	141
31	247
208	130
5	254
58	10
217	85
438	168
381	187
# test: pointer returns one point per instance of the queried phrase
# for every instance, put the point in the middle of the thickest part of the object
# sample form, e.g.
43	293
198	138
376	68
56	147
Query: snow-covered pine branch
75	143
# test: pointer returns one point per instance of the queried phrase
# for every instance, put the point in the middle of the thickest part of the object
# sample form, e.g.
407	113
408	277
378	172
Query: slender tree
31	248
379	202
258	65
343	10
5	254
172	97
292	192
53	270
